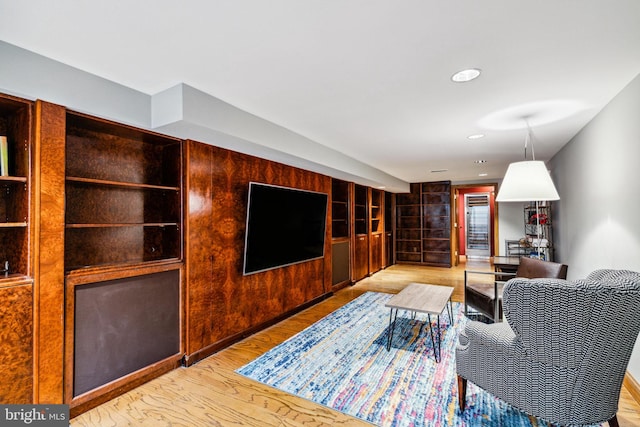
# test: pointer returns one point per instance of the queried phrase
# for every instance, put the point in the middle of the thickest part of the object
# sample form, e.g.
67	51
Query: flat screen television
284	226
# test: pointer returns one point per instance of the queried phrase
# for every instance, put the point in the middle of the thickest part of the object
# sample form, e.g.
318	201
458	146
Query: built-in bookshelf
377	211
423	224
361	223
409	225
376	239
389	235
15	131
436	222
360	260
123	198
122	256
16	275
341	233
339	209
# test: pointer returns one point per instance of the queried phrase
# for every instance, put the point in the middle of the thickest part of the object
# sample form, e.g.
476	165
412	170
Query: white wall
596	222
32	76
510	223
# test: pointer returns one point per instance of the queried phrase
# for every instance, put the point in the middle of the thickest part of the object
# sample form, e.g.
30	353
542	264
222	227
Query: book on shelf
4	156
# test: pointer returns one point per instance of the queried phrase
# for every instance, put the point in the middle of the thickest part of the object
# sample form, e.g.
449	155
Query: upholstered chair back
579	336
533	268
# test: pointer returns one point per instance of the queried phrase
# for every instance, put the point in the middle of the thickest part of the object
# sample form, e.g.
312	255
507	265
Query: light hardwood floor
209	393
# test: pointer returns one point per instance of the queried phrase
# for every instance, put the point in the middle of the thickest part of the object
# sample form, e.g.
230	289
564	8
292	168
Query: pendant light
528	180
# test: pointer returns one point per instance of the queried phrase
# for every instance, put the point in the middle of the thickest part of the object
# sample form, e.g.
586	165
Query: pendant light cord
528	139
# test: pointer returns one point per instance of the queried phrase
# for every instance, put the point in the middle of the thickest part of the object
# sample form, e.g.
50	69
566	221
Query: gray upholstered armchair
564	350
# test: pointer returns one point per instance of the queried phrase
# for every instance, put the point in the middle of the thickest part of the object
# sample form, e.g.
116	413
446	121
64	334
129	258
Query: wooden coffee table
421	298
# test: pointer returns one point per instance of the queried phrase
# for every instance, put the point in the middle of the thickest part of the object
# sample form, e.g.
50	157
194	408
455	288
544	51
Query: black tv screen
284	226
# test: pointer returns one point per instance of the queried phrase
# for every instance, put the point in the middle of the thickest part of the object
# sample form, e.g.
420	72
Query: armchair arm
498	279
493	273
497	336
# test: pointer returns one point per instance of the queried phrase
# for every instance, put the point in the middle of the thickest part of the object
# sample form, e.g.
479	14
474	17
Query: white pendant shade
527	181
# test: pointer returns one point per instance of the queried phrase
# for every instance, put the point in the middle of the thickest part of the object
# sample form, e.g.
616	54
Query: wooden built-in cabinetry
340	233
389	232
436	232
222	305
122	256
123	195
360	257
124	250
16	281
361	222
423	224
376	237
409	225
108	257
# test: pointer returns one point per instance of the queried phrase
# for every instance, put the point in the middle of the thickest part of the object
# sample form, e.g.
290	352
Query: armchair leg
613	422
462	394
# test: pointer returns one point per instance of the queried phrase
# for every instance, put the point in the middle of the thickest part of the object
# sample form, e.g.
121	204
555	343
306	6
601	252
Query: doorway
472	233
477	225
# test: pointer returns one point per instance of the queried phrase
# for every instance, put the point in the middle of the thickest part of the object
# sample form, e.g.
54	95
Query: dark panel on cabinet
340	257
124	325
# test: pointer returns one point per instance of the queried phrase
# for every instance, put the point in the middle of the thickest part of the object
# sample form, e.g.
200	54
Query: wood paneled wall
222	305
16	333
49	164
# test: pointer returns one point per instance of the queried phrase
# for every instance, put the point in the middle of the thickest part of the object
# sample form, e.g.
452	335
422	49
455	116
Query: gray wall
598	178
510	223
180	111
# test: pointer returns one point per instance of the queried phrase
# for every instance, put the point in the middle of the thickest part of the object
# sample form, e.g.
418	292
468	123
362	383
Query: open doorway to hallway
475	222
478	227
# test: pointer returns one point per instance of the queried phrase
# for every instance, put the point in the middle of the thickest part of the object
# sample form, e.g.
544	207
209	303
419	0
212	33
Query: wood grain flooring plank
210	393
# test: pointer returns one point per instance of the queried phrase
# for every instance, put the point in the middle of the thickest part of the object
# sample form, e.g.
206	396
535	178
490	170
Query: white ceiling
369	78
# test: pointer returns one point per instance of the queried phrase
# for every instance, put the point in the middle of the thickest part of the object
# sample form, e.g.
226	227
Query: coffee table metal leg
392	326
433	341
450	311
439	341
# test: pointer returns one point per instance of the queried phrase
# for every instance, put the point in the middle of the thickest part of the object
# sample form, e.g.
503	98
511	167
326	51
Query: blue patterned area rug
342	362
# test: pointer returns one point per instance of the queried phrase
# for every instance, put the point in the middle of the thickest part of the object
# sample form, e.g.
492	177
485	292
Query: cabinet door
16	331
361	257
340	258
199	219
376	253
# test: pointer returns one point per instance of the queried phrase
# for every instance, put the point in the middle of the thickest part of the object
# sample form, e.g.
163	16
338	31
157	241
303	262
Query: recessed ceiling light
465	75
480	161
476	136
483	174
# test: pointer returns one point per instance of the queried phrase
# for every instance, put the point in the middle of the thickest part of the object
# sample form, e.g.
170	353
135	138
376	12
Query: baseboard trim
190	359
632	386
